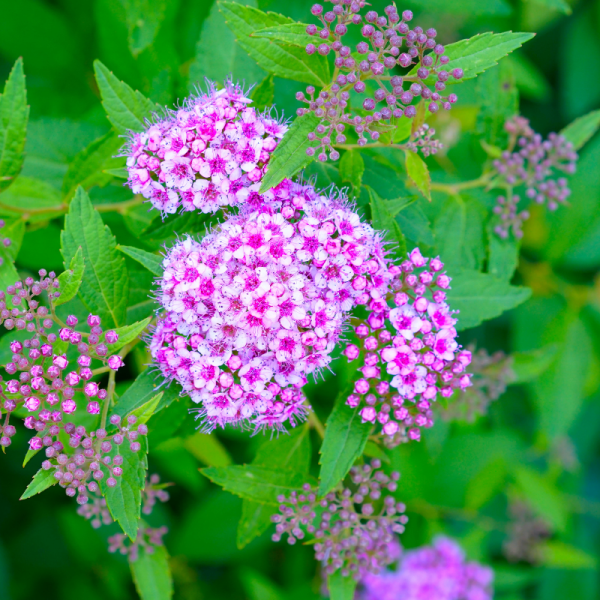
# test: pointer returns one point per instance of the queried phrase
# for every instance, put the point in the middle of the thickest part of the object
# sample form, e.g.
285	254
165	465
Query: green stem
455	188
316	424
110	390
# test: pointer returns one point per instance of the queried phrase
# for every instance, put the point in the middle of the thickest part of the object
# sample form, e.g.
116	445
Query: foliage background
540	439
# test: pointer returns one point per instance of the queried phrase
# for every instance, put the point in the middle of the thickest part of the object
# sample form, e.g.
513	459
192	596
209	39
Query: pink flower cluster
50	369
436	572
410	351
261	302
355	531
209	154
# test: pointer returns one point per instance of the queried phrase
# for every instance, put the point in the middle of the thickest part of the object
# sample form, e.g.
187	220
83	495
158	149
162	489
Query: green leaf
152	574
292	34
340	587
560	555
459	233
527	366
120	173
479	297
71	279
144	412
263	95
30	454
290	156
14	231
497	93
352	167
557	5
418	172
127	334
14	114
152	262
543	497
124	501
161	231
485	484
582	129
126	109
105	283
382	219
503	254
415	225
256	483
41	481
230	61
287	452
481	52
470	8
145	387
88	167
289	62
258	587
345	439
208	449
144	18
35	194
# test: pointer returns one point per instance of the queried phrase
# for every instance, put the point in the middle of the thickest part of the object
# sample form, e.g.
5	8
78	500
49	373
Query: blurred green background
539	443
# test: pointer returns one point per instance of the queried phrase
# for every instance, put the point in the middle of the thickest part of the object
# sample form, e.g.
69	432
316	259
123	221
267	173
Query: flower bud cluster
535	164
51	372
354	527
6	242
388	43
148	538
526	532
261	302
92	455
436	572
411	353
490	375
153	491
210	153
423	140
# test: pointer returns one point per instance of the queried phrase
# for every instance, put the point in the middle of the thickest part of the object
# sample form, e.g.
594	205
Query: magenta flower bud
101	350
142	429
361	386
93	408
351	351
115	362
72	379
16	347
316	10
310	49
111	482
68	406
93	321
29	422
64	334
52	398
60	362
115	419
32	403
457	73
36	443
111	337
135	446
368	414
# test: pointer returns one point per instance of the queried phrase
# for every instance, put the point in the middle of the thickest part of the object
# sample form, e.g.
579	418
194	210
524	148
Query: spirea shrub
258	277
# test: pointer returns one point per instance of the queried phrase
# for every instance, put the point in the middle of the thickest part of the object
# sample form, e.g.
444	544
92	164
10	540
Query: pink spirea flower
437	572
260	303
210	153
411	352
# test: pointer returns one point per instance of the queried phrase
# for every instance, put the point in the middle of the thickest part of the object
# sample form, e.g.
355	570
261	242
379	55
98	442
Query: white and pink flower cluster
261	302
209	154
410	351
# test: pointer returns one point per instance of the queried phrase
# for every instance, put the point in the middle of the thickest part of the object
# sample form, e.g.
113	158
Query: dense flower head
535	164
210	153
388	42
410	351
355	527
51	371
436	572
261	301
